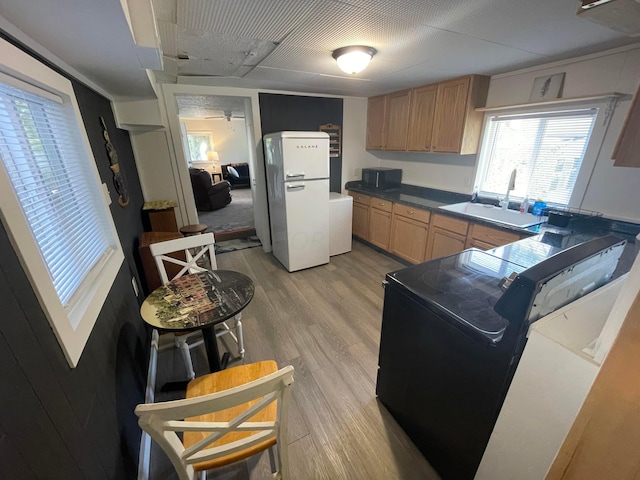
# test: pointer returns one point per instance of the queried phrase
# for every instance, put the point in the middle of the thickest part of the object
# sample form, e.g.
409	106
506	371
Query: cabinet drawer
360	198
380	204
492	236
450	223
410	212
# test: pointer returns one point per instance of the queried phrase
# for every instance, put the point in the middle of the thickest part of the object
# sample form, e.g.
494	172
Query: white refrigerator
297	168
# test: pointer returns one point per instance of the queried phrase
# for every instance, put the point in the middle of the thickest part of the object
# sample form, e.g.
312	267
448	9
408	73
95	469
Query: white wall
354	131
229	138
153	161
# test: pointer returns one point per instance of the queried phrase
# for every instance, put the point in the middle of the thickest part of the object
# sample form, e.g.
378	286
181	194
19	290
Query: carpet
237	244
238	215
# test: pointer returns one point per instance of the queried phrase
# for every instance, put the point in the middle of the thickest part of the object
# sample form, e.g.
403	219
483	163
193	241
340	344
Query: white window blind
546	149
46	163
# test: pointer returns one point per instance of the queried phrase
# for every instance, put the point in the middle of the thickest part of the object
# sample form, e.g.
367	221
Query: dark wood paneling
58	422
294	112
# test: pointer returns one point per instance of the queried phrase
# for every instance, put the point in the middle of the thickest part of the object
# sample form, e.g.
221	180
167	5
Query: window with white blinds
43	156
51	200
546	149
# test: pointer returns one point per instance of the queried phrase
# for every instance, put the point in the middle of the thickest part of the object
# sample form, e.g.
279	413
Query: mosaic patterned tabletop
197	300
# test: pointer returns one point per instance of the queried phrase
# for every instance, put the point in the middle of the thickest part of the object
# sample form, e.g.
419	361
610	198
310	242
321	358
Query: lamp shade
213	156
353	59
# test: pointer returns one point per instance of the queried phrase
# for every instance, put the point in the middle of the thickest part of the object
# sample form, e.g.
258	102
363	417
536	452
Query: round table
199	301
196	229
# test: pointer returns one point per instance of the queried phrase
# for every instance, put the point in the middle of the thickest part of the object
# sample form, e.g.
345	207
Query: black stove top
466	286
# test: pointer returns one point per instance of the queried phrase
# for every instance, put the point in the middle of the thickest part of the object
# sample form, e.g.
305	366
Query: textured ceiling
287	44
418	41
213	106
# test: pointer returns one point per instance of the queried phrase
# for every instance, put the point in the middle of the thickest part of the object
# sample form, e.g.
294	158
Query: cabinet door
474	243
376	115
491	236
449	117
423	105
398	104
380	228
627	150
408	239
442	243
361	220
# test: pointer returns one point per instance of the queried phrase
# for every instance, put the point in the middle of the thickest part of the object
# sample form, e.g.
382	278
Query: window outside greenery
199	145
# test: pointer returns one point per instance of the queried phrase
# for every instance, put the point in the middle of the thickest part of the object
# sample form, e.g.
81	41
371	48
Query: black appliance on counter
453	331
387	179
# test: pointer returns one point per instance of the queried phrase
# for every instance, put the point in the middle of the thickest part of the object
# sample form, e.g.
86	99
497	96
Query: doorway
216	140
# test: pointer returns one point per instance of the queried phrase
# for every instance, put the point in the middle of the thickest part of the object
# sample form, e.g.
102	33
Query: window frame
600	126
72	327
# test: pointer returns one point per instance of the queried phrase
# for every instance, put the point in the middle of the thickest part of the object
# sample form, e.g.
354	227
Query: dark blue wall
296	112
63	423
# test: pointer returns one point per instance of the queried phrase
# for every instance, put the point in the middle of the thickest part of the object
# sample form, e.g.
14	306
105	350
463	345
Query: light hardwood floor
325	321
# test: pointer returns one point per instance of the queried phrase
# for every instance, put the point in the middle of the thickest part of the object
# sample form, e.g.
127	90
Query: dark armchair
209	196
238	176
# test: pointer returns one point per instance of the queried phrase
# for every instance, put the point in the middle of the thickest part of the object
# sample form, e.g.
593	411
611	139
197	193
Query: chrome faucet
511	186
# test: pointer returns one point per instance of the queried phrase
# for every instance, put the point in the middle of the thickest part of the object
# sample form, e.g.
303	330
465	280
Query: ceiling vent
620	15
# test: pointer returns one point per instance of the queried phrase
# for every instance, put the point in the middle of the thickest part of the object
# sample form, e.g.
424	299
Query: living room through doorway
215	138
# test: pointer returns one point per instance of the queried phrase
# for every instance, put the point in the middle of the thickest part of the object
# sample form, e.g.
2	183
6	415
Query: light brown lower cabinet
447	235
472	243
417	235
360	225
486	238
380	223
409	229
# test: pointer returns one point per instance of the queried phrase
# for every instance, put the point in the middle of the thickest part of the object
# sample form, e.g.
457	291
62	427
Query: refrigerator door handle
295	175
295	187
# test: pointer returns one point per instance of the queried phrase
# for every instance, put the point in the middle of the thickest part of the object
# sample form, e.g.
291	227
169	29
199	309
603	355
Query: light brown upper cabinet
376	117
441	118
397	120
456	124
423	106
627	150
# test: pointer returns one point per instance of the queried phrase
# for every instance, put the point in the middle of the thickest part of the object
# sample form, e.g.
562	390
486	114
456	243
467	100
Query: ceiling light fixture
353	59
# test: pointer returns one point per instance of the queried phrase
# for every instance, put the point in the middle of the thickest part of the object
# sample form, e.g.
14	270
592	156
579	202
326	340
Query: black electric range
453	331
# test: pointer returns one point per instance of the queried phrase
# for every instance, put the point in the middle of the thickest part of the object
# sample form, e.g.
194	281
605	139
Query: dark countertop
431	199
544	238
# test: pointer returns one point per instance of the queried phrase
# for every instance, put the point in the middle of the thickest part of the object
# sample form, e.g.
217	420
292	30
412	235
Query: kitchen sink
495	214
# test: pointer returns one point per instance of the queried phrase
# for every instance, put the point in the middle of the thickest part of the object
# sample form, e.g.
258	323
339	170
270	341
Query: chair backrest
196	248
162	420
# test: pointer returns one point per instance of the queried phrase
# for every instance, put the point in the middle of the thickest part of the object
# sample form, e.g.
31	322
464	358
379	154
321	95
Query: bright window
52	202
547	149
41	152
199	144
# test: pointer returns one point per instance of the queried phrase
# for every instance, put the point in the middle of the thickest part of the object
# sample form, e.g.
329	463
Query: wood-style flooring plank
324	321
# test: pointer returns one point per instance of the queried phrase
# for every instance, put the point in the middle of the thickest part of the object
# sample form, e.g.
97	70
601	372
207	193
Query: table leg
211	346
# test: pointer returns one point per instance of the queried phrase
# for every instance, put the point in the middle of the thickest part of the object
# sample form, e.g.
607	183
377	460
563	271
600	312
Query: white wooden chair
227	416
199	253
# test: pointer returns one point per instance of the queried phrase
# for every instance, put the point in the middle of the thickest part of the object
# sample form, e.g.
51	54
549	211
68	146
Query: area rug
237	244
238	215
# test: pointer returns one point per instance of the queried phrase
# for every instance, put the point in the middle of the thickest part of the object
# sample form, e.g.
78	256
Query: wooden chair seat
224	380
226	417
